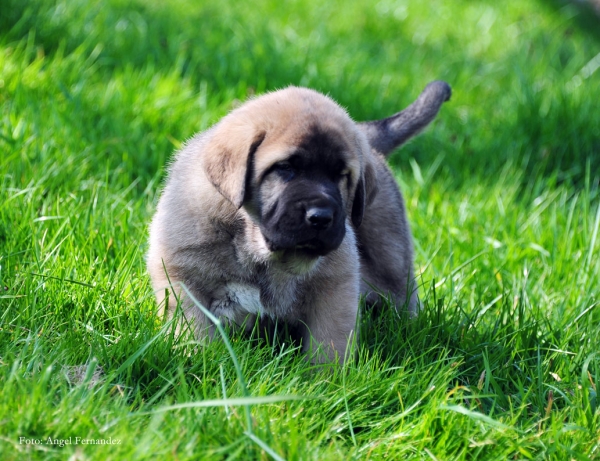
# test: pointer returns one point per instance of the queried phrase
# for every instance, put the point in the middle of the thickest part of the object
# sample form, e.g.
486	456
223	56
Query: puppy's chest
235	300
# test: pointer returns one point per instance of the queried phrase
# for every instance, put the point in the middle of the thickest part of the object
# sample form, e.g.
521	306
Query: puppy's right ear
366	189
229	158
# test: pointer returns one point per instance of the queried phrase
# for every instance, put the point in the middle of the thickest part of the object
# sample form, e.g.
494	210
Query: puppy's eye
283	166
284	170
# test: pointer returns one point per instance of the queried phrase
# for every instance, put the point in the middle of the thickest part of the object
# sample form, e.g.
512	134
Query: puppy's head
297	163
301	198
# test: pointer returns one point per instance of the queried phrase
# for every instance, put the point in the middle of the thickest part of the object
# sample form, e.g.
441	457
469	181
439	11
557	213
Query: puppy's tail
389	133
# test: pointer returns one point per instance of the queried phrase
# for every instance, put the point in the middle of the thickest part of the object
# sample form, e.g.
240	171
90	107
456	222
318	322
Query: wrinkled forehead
327	146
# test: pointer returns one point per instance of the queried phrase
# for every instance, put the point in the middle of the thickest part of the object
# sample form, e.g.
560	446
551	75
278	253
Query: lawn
502	193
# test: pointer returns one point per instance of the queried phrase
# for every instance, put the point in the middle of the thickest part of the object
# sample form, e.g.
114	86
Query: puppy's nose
319	218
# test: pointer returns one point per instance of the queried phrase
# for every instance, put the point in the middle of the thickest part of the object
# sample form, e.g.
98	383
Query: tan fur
206	233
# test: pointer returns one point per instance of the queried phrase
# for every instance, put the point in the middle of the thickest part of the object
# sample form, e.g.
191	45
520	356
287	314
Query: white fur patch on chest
238	298
248	297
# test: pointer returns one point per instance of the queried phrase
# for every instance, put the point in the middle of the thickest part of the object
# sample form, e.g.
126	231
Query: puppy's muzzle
319	217
309	228
323	227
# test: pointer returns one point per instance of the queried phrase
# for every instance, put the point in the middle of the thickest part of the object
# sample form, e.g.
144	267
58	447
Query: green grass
502	193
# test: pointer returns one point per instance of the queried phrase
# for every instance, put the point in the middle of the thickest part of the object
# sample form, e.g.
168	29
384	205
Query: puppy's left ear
366	189
229	159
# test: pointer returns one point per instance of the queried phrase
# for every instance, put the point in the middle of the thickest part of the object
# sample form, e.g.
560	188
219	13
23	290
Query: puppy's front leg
331	314
330	329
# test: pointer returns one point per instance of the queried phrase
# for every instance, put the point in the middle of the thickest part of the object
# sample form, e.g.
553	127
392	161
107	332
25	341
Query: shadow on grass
583	14
502	352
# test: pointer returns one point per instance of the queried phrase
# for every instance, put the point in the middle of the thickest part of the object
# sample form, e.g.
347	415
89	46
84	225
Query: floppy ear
366	189
228	159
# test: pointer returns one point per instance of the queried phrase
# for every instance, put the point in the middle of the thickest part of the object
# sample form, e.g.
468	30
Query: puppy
286	209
